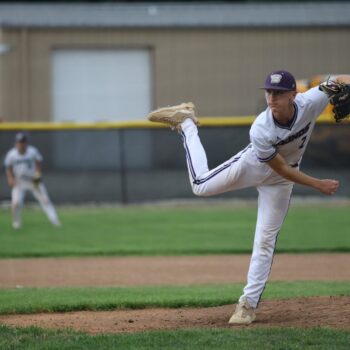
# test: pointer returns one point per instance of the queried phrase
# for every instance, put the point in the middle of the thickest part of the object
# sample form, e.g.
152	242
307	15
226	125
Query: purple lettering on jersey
295	136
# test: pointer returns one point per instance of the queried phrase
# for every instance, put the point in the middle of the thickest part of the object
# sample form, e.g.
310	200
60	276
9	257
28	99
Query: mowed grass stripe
35	300
247	339
169	231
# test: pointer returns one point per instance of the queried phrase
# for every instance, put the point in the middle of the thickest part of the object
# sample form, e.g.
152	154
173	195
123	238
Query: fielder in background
23	165
278	139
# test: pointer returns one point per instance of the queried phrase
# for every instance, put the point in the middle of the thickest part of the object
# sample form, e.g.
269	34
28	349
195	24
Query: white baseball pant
40	193
241	171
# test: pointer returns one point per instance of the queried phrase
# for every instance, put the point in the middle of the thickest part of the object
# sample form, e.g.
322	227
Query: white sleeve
262	144
8	160
317	99
38	157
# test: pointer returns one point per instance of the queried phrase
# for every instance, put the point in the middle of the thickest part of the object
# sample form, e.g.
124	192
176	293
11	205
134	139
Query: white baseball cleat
16	225
56	223
244	313
173	116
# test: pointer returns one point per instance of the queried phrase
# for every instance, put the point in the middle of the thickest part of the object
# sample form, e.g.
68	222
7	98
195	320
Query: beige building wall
220	70
1	80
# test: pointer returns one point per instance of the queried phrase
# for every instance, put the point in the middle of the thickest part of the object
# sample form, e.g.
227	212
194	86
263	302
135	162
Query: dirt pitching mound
302	312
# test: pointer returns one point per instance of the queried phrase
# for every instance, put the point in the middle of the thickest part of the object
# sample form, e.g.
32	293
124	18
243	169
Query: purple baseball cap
280	80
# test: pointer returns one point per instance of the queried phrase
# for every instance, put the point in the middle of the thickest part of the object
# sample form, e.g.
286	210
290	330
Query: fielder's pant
40	193
241	171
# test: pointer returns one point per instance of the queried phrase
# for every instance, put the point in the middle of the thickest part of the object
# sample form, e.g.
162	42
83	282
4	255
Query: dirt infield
131	271
179	270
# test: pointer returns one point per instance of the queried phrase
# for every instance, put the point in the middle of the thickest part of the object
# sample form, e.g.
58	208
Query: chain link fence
130	165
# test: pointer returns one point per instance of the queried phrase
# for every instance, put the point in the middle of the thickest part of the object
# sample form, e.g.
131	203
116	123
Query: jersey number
302	142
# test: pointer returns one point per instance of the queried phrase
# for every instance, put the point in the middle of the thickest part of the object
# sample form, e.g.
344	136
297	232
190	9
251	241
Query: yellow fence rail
140	124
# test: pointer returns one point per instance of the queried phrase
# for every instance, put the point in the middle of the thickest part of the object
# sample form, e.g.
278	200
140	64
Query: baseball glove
339	97
37	178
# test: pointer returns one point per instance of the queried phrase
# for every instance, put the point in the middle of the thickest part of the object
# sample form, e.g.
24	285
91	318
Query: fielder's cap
21	137
280	80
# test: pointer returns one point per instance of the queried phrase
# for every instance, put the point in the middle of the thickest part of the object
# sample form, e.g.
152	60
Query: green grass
166	231
169	231
34	300
246	339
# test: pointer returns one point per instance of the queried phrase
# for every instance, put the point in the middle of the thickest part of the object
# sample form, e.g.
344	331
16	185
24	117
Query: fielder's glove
37	178
339	97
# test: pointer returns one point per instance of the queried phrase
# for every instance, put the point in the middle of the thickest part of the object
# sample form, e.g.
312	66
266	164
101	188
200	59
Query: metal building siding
180	15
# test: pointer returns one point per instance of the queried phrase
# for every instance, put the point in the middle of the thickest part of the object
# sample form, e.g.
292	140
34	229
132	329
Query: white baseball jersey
23	165
269	137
